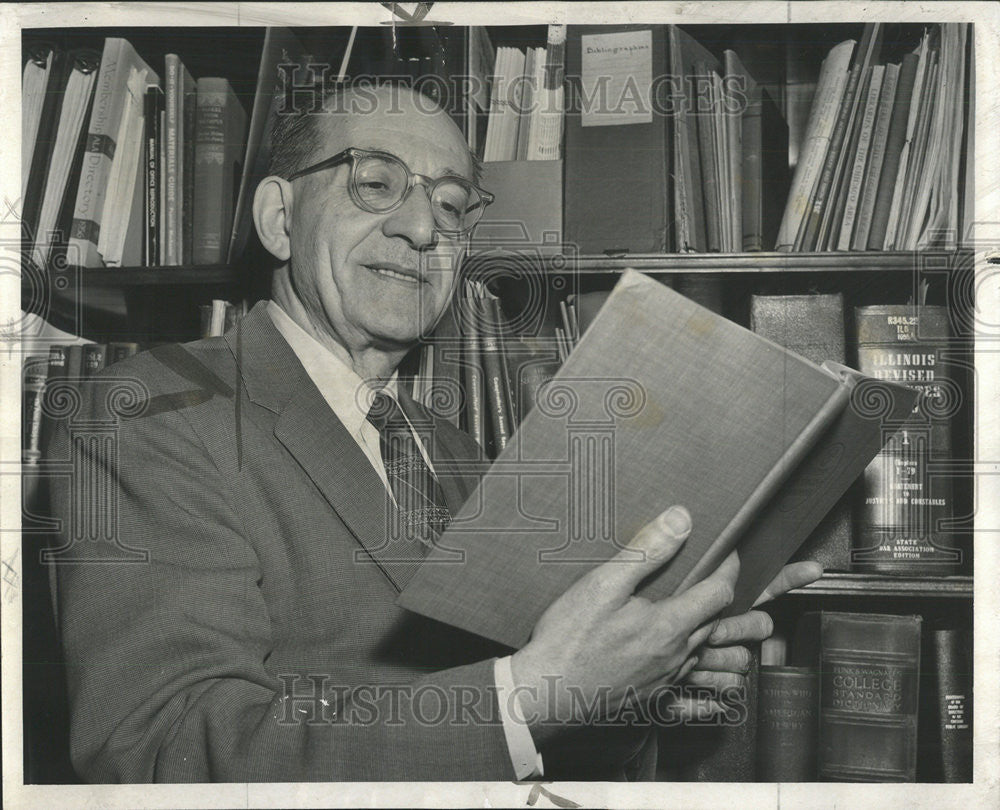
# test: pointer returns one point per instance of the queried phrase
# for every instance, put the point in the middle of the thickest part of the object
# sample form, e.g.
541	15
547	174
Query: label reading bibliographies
616	74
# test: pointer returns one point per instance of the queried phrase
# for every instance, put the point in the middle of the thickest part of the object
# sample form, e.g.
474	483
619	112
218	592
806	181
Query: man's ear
272	216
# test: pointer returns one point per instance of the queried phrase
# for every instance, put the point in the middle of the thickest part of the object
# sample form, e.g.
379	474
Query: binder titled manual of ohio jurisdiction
662	402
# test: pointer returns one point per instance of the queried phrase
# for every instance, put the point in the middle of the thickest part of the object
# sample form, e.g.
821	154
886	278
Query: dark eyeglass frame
354	156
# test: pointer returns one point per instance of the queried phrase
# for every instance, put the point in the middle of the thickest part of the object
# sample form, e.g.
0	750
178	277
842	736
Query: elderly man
242	625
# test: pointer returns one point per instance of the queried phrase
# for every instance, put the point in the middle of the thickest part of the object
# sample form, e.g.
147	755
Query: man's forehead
424	137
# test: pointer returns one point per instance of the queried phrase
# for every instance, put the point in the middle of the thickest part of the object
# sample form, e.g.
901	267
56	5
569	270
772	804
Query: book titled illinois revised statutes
662	402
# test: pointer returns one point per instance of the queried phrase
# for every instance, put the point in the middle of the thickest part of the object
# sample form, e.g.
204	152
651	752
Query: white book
72	116
34	80
497	100
822	117
513	87
124	167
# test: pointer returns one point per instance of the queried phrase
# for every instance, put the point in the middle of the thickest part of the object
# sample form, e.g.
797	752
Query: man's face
368	279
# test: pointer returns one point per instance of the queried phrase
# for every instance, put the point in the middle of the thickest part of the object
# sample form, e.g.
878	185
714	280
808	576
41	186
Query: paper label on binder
615	78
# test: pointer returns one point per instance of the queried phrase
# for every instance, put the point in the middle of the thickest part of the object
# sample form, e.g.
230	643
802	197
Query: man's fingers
791	576
658	541
715	680
753	626
702	601
724	659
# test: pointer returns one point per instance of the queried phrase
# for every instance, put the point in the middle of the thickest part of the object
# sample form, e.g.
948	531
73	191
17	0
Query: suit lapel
327	452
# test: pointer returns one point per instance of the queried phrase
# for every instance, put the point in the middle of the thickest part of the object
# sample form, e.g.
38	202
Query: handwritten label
615	77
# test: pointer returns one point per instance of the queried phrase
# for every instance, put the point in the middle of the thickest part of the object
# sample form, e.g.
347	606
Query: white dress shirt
350	398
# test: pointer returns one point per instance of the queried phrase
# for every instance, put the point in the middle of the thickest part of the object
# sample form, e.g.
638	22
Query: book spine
893	152
797	450
209	160
877	158
94	358
98	155
822	118
473	375
704	114
812	326
189	180
854	180
952	652
906	502
35	371
869	676
119	350
813	218
495	376
787	724
151	176
174	160
753	181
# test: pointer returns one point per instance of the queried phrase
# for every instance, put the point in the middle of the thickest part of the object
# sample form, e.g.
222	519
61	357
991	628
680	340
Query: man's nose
413	220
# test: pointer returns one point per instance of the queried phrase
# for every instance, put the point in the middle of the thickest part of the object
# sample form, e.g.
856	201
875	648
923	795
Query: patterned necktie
421	508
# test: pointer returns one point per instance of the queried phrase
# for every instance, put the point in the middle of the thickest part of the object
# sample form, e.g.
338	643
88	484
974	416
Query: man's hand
723	661
600	641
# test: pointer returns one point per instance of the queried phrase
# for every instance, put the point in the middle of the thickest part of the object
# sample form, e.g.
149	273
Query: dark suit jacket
262	521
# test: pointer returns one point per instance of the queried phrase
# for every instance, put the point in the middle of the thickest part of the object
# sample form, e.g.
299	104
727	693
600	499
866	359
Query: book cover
616	168
903	521
869	671
620	434
711	169
218	149
189	182
35	77
812	326
787	724
111	98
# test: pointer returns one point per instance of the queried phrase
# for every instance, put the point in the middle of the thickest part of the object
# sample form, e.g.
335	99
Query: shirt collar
348	396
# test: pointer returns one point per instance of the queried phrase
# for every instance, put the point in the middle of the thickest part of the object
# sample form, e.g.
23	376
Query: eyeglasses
380	182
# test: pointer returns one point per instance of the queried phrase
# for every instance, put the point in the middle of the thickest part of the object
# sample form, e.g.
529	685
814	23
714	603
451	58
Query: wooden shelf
772	262
834	584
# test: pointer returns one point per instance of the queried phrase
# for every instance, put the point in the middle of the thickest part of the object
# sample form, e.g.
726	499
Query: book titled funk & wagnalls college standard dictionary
662	402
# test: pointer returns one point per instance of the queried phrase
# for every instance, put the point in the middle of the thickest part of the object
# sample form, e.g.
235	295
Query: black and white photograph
500	404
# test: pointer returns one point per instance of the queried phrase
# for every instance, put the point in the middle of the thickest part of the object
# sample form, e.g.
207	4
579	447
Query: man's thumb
658	540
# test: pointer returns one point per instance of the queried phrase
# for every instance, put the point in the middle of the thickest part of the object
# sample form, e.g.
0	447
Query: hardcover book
813	326
787	724
869	667
628	427
903	527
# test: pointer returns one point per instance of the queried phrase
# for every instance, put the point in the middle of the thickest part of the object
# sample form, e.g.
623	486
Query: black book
152	109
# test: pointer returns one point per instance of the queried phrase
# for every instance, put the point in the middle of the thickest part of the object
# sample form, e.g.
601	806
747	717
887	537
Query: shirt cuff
524	756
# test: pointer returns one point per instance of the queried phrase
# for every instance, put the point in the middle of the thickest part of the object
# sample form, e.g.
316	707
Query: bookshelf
787	59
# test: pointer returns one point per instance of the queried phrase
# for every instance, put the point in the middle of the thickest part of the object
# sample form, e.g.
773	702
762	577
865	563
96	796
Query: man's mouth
407	275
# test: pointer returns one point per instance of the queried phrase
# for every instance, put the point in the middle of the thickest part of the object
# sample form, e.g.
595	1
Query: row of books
478	372
121	170
79	361
669	148
881	164
527	101
865	697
